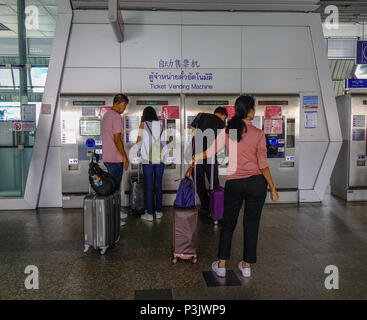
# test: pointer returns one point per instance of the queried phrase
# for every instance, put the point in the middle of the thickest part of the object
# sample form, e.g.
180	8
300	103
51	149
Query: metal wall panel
94	46
145	45
91	80
278	80
277	47
212	46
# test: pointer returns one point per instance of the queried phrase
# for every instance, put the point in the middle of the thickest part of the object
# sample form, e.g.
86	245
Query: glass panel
6	79
18	123
38	76
14	170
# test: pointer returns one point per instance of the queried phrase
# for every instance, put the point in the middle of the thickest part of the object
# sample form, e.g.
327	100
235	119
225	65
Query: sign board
361	52
231	111
29	126
28	112
356	83
273	112
170	112
17	126
310	102
102	111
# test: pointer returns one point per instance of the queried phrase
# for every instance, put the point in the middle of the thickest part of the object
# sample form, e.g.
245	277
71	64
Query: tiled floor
296	243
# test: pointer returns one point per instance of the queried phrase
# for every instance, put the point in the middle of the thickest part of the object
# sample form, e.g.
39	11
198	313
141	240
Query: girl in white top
153	149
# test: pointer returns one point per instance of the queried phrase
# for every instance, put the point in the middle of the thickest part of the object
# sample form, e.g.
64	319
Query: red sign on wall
273	112
102	111
170	112
231	111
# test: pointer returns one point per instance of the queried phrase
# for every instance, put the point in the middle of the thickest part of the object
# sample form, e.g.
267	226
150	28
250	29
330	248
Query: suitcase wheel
103	250
118	239
86	248
193	260
173	260
215	222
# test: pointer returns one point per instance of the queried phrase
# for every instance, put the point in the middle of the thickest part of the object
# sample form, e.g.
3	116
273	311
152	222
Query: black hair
243	105
149	114
120	98
221	110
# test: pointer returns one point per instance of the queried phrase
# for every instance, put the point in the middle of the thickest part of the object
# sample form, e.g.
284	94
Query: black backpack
102	182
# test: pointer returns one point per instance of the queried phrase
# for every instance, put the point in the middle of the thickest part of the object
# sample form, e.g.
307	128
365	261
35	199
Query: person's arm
264	167
218	144
273	192
117	139
140	134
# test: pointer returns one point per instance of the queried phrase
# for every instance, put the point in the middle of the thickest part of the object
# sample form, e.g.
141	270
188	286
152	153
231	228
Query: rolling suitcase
216	199
185	222
101	221
137	193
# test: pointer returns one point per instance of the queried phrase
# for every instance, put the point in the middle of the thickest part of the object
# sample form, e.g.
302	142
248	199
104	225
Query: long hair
149	114
243	105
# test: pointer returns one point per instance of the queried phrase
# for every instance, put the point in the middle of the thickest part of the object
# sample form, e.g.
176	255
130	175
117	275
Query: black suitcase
137	193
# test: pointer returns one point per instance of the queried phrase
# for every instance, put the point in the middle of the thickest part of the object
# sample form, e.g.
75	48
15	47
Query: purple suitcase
216	199
217	203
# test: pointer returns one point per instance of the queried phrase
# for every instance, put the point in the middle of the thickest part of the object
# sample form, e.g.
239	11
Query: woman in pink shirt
248	176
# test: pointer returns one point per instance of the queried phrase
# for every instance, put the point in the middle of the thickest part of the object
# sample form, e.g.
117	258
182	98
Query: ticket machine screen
90	127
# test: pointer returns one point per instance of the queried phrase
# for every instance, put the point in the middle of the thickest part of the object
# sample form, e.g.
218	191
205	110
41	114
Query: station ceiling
350	11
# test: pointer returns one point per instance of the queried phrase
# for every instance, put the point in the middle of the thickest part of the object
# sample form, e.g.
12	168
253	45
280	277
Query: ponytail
237	124
243	105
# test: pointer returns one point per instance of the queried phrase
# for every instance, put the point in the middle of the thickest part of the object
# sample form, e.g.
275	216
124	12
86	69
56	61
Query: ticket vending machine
79	130
168	109
349	178
196	104
278	116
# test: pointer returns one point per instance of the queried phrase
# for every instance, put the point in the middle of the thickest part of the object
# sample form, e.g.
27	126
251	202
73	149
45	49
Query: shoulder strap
151	133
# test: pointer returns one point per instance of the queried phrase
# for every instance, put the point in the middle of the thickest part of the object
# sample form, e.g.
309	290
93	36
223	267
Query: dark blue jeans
116	169
153	175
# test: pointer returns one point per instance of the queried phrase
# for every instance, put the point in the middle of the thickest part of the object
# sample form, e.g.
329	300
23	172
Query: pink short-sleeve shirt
247	157
111	124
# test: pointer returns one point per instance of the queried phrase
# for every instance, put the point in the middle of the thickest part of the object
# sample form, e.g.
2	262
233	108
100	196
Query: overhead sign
361	52
356	83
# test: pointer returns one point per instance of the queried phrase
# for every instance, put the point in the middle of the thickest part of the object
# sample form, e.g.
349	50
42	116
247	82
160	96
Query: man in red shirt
114	155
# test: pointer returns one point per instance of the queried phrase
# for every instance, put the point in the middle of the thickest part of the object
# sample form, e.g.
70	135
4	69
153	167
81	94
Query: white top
148	138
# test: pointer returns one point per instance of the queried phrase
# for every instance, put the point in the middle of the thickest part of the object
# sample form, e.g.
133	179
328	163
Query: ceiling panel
240	5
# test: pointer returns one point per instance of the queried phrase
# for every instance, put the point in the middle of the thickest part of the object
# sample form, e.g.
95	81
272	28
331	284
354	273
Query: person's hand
126	163
274	196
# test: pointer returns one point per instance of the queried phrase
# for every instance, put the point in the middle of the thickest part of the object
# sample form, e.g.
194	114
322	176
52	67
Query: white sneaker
158	215
123	215
122	223
246	272
221	272
147	216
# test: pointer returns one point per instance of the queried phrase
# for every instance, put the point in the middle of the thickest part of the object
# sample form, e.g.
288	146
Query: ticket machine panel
168	108
196	104
357	149
80	136
278	116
